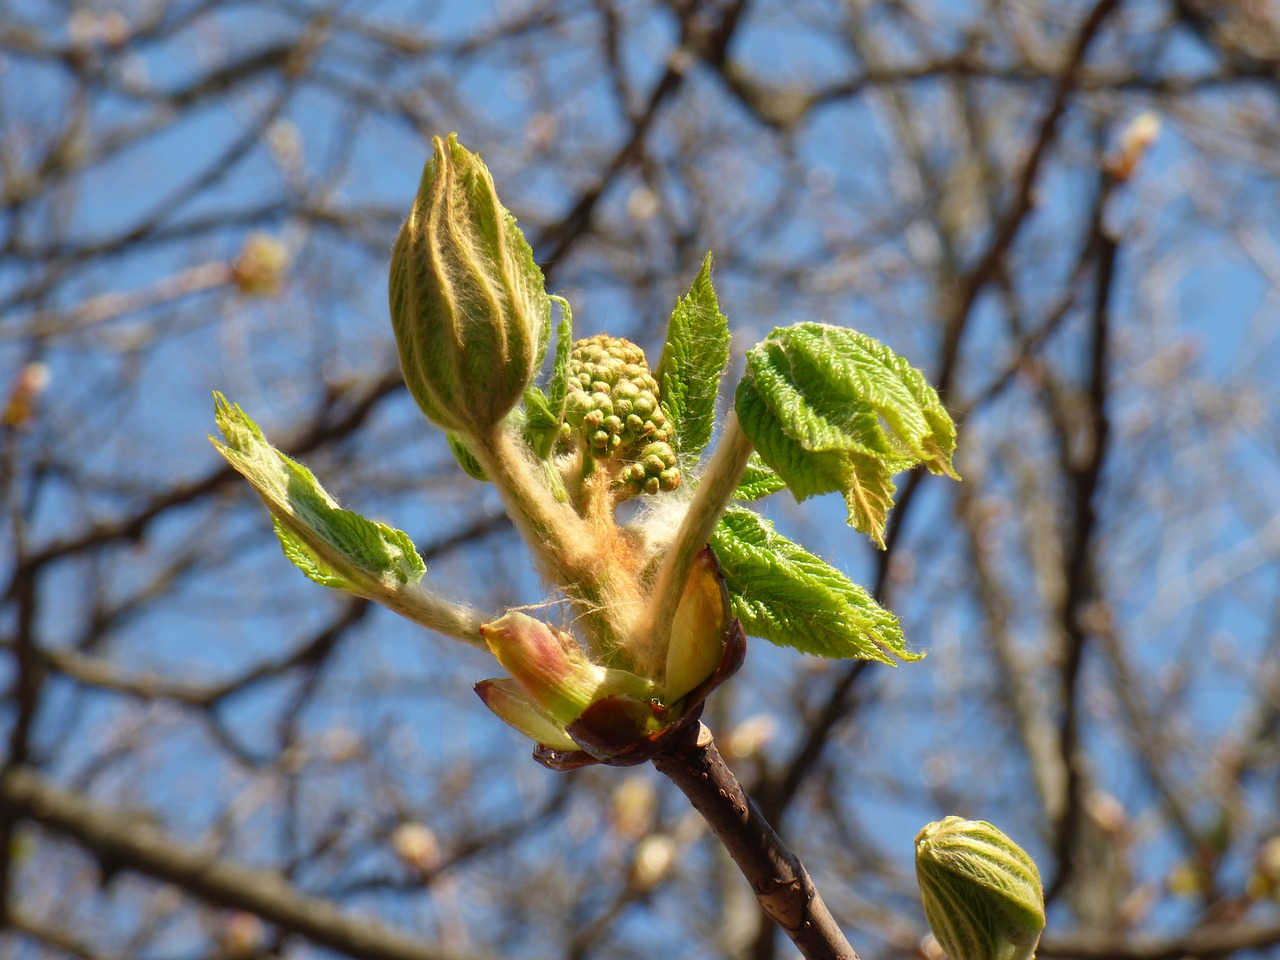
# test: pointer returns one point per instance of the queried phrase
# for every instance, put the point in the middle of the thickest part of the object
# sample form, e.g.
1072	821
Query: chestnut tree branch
777	877
124	841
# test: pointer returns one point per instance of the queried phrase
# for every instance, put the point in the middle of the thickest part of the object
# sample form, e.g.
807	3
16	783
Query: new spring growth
652	619
581	711
468	303
613	417
981	892
471	320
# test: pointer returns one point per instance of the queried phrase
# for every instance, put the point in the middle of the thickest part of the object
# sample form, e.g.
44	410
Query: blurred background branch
1065	213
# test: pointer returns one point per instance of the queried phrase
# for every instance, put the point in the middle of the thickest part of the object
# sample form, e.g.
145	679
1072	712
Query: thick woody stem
777	877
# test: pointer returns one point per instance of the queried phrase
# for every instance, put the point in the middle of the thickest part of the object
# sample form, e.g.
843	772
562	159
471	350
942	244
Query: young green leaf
330	545
693	360
544	411
558	385
830	409
758	481
784	594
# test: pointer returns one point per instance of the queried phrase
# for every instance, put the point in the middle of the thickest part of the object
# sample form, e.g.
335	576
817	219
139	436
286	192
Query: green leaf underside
782	593
332	546
830	409
544	411
758	481
693	360
306	559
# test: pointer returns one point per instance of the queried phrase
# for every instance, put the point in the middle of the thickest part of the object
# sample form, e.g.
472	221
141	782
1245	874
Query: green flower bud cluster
613	407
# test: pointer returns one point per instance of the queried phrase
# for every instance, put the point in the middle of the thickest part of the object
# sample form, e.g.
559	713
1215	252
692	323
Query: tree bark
777	877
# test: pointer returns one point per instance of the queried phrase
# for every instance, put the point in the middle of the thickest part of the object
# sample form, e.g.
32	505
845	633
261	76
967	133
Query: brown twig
124	841
1204	942
777	877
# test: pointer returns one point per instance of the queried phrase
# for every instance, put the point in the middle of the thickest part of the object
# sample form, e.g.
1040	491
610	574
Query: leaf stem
777	877
570	551
415	602
715	491
555	534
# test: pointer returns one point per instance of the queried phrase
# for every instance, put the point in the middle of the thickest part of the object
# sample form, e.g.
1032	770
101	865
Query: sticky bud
700	629
468	302
654	857
982	894
553	671
1136	140
20	411
417	845
259	269
508	701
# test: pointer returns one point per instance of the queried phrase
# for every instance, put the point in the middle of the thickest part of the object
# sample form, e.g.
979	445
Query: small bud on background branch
981	892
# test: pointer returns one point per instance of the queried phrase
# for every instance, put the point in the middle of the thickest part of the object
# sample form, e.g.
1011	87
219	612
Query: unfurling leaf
830	409
332	546
981	892
307	560
544	411
468	304
784	594
692	362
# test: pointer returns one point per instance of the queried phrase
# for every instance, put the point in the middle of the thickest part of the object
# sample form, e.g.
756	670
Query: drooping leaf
693	360
830	409
330	545
815	469
786	595
758	481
